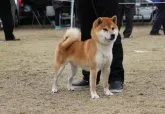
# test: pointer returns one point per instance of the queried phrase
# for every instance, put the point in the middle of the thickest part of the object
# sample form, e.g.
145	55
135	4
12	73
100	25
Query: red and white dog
93	54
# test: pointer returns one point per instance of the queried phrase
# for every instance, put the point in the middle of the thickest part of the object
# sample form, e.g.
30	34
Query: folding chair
38	10
67	13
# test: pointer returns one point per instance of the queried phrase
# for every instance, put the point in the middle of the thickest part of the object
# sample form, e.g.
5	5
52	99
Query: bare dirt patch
26	73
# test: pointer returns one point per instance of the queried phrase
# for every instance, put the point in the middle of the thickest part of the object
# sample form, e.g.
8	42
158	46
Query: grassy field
26	74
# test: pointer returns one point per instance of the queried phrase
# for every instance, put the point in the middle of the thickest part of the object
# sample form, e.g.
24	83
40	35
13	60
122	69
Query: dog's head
105	30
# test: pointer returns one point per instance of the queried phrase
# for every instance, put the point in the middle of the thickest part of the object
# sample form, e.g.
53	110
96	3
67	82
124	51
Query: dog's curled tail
71	35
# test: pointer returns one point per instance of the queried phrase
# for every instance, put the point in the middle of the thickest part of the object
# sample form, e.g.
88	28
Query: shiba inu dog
93	54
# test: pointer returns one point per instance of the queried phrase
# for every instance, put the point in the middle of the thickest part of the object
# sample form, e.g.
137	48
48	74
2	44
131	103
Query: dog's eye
105	29
113	28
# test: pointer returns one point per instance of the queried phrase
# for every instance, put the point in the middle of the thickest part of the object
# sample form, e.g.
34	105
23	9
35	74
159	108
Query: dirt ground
26	73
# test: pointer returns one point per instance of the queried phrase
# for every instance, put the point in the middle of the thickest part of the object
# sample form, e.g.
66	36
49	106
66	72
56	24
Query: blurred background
37	12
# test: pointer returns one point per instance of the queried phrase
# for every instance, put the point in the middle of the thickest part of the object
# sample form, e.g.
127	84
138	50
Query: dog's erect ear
114	19
98	21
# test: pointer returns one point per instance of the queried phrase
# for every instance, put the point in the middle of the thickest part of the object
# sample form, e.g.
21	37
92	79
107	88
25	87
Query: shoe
14	40
154	33
53	25
116	87
128	36
80	83
58	27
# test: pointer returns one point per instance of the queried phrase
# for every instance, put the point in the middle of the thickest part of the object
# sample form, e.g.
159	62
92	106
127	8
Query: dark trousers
88	11
7	19
56	18
129	12
59	8
160	19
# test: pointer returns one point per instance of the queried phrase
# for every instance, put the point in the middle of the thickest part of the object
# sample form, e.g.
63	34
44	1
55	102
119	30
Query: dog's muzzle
112	37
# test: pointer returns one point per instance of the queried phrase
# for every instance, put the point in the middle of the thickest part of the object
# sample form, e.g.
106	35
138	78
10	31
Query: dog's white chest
103	60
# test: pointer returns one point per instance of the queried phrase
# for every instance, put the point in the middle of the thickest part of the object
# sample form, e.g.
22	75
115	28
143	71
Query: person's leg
158	22
116	78
7	21
57	16
86	17
51	19
164	26
163	20
57	5
129	13
120	15
8	26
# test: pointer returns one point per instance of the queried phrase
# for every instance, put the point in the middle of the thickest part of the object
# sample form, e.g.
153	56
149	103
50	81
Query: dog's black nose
112	36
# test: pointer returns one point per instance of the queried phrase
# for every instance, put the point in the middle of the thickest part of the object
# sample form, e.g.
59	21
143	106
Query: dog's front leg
93	77
105	75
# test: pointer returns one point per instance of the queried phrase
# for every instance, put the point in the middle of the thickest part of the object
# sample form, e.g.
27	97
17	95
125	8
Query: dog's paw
54	90
70	88
107	92
94	96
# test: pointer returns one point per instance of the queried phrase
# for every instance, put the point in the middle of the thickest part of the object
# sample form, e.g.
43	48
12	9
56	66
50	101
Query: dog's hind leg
58	71
70	79
105	75
93	76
